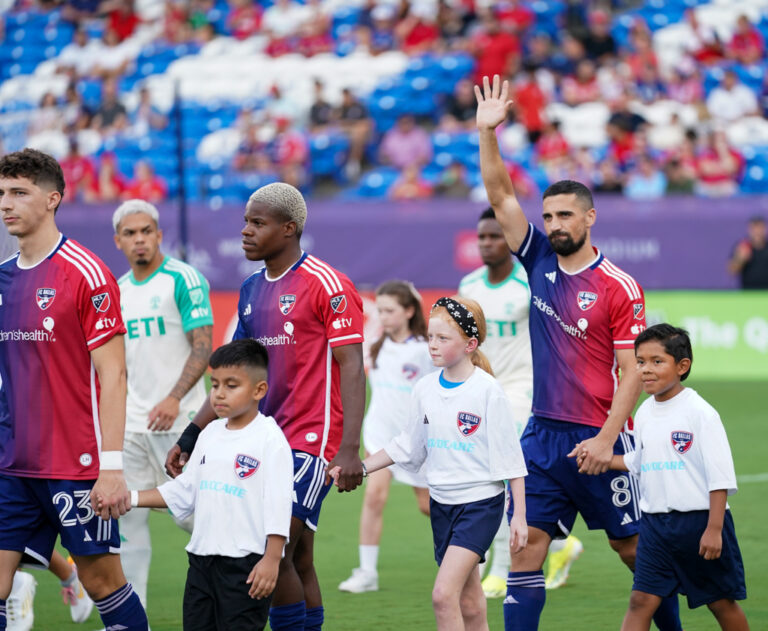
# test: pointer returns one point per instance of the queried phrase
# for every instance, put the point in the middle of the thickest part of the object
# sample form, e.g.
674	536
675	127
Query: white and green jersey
158	313
508	342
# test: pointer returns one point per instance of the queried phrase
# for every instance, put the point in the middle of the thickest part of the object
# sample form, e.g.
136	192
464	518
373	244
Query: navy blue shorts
471	526
555	490
309	487
668	559
33	512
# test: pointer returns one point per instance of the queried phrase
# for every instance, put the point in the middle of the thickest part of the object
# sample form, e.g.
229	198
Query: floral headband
461	315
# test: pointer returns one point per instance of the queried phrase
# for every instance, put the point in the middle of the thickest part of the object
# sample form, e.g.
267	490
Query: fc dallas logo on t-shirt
245	466
682	441
467	423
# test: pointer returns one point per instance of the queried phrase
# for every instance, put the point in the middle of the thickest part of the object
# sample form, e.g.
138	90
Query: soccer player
169	322
585	313
501	288
62	401
685	468
310	318
240	481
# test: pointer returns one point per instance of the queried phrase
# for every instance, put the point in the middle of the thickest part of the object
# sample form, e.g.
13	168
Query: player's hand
333	473
518	534
594	455
109	495
492	103
175	461
711	544
162	416
350	469
263	578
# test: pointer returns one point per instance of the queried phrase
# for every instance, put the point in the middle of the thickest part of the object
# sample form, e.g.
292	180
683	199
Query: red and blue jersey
577	322
52	315
299	317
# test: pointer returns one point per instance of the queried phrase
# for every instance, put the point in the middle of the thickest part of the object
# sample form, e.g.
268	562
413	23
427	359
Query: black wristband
188	438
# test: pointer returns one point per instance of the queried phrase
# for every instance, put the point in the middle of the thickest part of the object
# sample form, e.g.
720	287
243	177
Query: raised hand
492	103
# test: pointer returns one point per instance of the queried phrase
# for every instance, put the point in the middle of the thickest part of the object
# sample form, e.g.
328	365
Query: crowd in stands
576	56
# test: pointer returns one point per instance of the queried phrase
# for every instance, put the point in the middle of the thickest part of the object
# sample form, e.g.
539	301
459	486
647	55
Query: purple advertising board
673	243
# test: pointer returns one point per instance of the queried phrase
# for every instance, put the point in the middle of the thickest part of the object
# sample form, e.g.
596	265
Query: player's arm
178	455
163	415
711	543
109	363
597	452
492	106
372	463
352	381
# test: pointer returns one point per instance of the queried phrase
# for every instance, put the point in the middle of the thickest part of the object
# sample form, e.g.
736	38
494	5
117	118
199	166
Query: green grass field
594	599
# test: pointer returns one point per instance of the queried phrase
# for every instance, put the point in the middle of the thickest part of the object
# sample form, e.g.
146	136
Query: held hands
711	543
162	416
593	456
263	578
492	103
518	534
349	474
110	496
175	461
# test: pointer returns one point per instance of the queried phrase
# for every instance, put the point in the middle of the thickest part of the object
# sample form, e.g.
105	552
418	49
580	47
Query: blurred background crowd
208	99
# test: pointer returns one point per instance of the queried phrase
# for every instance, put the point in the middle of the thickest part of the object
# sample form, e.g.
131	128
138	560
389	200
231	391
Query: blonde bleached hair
478	357
285	199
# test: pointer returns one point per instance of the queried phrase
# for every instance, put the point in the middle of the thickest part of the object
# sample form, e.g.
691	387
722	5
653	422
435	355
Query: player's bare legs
289	588
642	606
59	566
531	557
100	574
371	517
422	499
457	596
304	560
729	614
9	563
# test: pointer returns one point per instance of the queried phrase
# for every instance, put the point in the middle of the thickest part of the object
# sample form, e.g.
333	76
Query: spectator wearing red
417	32
109	184
514	16
410	185
496	51
146	185
718	167
747	45
244	18
583	87
701	41
552	145
176	28
529	102
79	173
121	17
642	55
314	39
290	152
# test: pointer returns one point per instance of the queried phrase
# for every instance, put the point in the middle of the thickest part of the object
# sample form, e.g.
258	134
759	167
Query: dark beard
567	246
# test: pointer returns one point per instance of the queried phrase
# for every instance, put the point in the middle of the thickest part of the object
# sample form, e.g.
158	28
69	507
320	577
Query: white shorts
373	442
144	458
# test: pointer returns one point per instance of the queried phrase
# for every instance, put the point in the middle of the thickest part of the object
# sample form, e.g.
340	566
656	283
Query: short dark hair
246	353
676	342
38	167
570	187
488	213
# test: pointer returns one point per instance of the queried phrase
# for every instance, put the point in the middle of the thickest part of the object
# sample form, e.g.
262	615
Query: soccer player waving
585	313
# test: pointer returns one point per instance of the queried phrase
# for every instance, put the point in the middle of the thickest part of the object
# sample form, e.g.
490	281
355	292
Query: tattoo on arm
201	340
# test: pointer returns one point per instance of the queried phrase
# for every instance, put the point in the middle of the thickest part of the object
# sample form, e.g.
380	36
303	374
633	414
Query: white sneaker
360	581
19	608
80	604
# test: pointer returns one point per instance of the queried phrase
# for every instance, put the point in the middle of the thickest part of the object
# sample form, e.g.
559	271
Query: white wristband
134	499
111	461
